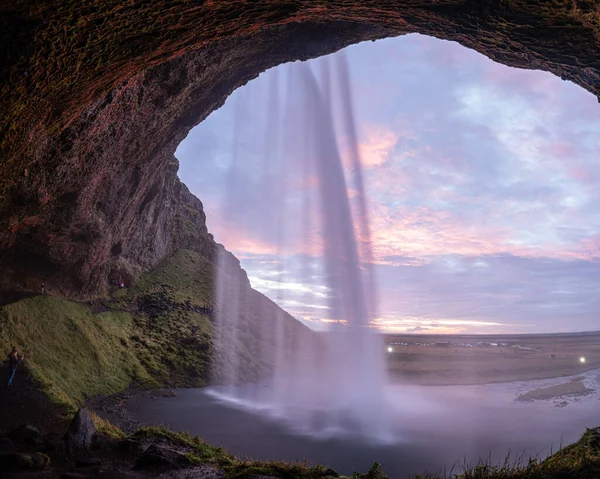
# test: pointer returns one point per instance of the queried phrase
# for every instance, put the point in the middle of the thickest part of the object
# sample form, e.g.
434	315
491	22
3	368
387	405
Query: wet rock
80	432
97	473
202	472
135	448
87	461
6	444
161	457
166	393
101	440
16	461
25	434
54	444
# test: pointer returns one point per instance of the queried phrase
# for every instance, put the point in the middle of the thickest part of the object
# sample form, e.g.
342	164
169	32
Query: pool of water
431	428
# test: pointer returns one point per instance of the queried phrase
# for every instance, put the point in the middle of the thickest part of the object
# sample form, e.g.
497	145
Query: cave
96	98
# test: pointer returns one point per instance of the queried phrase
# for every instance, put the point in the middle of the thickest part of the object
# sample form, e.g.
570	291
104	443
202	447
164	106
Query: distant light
582	360
390	350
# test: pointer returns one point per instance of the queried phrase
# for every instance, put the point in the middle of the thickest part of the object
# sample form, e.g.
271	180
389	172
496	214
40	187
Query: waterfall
332	382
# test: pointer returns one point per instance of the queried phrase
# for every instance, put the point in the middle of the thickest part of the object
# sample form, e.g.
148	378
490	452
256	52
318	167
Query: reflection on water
432	427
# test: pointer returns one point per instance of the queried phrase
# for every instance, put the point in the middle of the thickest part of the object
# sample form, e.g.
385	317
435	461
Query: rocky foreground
91	448
85	451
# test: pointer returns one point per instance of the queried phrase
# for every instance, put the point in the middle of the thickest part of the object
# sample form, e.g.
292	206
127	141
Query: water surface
431	428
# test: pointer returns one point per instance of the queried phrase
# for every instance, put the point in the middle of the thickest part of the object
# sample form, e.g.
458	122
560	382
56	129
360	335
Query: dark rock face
25	434
162	458
17	461
81	431
201	472
96	98
87	461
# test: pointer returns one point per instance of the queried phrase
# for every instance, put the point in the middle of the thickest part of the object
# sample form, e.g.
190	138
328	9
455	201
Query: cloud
416	329
482	183
377	146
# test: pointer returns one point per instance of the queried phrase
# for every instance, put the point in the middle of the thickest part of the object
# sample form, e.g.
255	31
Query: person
42	289
13	361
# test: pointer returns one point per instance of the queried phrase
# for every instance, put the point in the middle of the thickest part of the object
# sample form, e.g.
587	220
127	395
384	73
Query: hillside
159	332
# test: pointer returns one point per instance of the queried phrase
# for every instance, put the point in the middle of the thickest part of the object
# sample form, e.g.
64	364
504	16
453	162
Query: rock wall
97	95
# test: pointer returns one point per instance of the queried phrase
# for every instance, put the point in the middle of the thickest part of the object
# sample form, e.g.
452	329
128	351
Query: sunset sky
483	188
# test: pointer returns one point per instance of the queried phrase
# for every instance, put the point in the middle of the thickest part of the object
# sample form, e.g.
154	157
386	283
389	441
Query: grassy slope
71	351
75	353
185	275
174	344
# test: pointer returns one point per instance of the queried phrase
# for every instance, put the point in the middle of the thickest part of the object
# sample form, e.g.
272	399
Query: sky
482	186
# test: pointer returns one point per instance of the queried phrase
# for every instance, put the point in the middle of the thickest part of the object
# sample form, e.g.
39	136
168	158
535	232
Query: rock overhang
98	96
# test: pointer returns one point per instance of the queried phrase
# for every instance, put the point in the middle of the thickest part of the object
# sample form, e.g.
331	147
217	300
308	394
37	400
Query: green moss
184	275
72	352
107	427
198	451
76	354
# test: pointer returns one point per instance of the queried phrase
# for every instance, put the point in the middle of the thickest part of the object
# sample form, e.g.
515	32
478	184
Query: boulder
80	432
87	461
25	434
133	447
6	444
16	461
101	440
162	457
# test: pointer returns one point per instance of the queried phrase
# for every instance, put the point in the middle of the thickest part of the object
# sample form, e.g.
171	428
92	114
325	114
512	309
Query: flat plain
481	359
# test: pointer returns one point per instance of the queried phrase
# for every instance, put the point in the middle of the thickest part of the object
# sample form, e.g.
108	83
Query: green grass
184	275
72	352
76	354
580	460
174	345
107	427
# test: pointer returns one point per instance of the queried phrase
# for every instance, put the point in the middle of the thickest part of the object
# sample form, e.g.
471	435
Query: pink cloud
378	146
423	234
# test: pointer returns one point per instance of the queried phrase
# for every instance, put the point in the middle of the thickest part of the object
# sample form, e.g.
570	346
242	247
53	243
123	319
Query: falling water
332	383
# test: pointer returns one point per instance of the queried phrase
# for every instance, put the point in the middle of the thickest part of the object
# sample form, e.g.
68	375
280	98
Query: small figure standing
122	284
43	289
13	362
